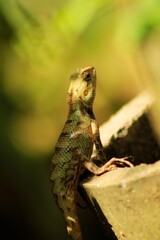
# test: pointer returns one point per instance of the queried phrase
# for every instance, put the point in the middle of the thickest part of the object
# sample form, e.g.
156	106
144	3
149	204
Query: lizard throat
75	103
81	109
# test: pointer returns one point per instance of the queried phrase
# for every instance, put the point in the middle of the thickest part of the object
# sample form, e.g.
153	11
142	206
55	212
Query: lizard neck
79	109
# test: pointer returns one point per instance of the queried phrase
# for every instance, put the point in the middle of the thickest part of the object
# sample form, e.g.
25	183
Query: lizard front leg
111	164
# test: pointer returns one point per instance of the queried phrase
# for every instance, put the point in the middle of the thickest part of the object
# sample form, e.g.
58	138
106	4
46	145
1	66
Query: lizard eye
87	76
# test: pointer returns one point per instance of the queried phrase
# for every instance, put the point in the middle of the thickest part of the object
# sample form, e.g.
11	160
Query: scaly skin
74	148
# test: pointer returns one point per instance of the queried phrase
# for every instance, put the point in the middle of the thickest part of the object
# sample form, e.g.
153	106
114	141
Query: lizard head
82	87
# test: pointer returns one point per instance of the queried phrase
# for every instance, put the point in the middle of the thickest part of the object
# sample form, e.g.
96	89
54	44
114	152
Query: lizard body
74	148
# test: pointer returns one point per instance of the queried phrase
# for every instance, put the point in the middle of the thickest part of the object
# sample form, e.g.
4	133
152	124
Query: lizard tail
72	221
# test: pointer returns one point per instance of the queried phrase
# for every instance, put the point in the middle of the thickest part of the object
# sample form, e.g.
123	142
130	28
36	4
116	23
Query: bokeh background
41	44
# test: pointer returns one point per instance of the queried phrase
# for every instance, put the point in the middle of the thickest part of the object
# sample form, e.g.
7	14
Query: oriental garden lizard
74	148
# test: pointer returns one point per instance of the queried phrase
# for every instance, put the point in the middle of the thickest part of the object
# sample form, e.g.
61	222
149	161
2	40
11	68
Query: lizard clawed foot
114	162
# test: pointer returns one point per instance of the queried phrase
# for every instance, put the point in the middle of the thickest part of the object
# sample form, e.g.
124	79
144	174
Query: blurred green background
41	44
